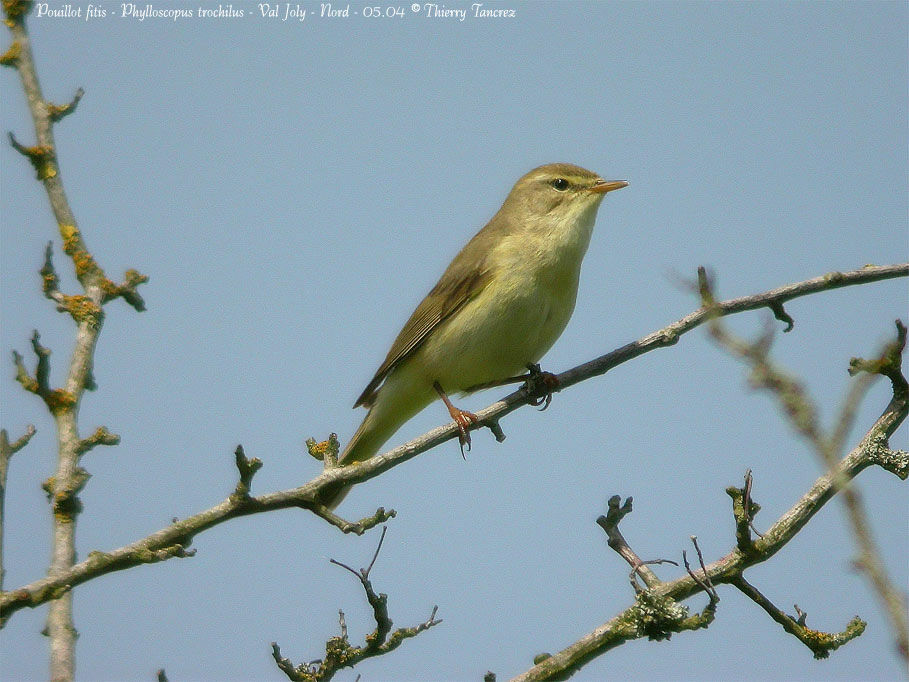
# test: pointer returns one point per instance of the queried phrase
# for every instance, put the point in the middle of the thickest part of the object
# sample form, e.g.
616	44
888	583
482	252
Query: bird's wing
457	286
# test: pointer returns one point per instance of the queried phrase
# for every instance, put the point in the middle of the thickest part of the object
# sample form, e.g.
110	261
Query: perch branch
304	497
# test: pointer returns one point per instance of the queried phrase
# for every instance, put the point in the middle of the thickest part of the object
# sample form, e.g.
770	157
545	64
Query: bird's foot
462	418
540	385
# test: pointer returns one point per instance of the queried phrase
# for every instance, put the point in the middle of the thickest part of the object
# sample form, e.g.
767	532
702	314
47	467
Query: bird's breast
512	322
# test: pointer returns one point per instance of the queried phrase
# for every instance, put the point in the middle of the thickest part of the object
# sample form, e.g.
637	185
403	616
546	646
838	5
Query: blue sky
294	188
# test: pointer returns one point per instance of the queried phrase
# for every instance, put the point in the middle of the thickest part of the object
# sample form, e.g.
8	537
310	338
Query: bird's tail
384	418
366	442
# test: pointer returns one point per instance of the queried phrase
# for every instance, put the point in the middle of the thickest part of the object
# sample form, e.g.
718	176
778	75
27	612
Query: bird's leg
537	383
520	378
540	385
462	418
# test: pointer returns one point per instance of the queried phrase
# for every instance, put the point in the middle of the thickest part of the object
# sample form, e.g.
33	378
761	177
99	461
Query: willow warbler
498	307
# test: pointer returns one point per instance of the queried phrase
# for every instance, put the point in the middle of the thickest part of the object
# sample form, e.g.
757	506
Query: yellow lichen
134	277
42	158
59	400
110	289
83	309
70	234
46	170
84	262
16	8
28	383
61	512
11	56
321	449
58	111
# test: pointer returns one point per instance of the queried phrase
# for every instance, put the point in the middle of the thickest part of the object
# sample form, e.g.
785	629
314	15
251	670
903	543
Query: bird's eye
559	184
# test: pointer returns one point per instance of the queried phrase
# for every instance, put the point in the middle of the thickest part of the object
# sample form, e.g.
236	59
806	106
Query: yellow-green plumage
500	305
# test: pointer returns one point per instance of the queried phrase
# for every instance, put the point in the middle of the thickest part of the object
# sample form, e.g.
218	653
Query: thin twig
7	450
617	510
704	583
376	555
820	643
339	652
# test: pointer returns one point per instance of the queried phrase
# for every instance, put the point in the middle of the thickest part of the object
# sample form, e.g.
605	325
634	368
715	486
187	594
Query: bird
496	310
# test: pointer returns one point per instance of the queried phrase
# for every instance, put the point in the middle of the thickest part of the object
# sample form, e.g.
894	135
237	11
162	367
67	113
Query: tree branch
86	311
339	653
610	524
7	450
802	415
657	611
820	643
303	497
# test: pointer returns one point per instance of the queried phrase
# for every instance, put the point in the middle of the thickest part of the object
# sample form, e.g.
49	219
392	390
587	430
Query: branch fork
339	653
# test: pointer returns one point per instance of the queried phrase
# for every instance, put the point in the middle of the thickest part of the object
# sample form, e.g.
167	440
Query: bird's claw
463	419
540	385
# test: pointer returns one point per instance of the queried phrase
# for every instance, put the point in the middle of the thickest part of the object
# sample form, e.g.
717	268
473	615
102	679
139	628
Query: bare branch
616	541
58	400
355	527
325	451
128	290
873	451
820	643
339	653
85	310
802	415
40	156
703	582
173	541
667	336
247	469
57	112
7	450
744	509
375	556
50	282
656	611
101	436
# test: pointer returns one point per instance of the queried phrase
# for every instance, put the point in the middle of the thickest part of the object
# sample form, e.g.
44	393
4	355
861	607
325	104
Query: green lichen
655	617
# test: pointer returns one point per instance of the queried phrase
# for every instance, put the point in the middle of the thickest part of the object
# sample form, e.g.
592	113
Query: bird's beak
604	186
